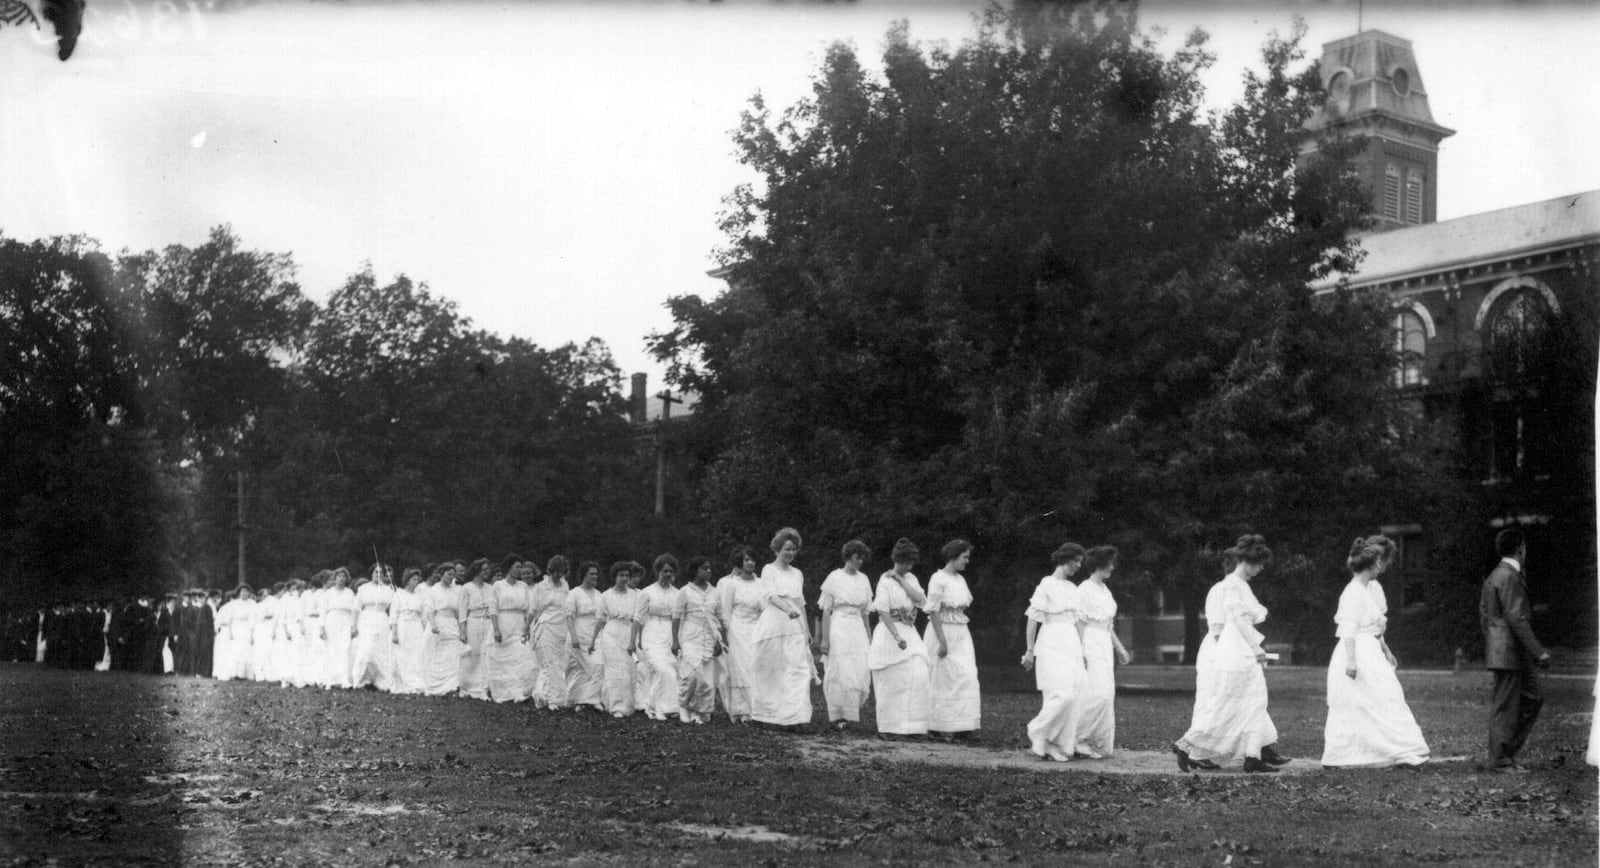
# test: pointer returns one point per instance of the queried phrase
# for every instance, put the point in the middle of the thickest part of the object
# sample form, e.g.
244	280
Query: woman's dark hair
405	577
476	568
1100	557
1508	542
785	535
1368	552
619	569
1251	549
636	568
1066	553
242	589
663	561
736	556
954	549
585	567
905	552
509	563
856	547
557	566
695	563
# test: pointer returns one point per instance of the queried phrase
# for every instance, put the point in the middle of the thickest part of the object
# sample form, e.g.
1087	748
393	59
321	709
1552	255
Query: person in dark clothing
206	638
1511	652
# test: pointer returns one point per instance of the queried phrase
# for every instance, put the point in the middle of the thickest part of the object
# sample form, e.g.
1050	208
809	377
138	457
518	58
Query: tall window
1411	346
1413	196
1391	192
1517	335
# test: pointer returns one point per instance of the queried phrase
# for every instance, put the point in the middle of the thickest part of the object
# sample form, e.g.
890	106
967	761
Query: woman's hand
675	649
322	633
1351	671
1261	658
462	635
631	648
944	650
577	644
1124	657
1393	663
1027	659
793	615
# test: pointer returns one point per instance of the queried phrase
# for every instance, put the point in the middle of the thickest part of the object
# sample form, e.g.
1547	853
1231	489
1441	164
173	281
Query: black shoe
1272	757
1255	766
1184	763
1205	765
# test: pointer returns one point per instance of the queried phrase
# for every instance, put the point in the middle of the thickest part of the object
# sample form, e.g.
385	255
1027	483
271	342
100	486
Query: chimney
638	401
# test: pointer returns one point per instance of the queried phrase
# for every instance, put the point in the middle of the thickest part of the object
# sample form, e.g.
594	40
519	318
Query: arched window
1413	196
1391	192
1516	333
1411	346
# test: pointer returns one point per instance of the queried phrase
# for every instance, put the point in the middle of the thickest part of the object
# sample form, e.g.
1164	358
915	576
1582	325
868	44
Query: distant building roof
682	409
1522	230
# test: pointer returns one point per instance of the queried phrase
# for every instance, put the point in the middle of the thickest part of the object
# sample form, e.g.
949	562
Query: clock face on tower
1400	80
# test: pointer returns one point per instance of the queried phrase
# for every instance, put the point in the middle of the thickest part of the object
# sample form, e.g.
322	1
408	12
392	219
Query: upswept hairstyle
736	556
905	552
787	534
585	567
557	566
1369	551
1100	557
954	549
1066	554
509	563
621	568
1508	542
856	547
1251	549
695	563
663	561
476	568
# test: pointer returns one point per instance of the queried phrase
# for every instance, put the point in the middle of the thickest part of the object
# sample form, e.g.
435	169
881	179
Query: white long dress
286	639
781	677
443	608
695	610
104	663
222	666
659	698
899	675
373	660
338	619
1369	723
511	661
548	608
243	630
411	652
1230	688
262	661
846	679
1058	668
312	671
1097	721
584	669
739	605
477	609
953	678
616	610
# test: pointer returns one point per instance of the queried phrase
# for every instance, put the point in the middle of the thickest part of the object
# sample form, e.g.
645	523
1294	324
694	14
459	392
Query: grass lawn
129	769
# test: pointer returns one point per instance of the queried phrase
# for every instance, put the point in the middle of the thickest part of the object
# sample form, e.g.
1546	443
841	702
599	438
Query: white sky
557	168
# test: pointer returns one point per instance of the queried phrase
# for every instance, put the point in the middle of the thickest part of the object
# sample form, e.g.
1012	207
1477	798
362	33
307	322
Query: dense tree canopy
1026	290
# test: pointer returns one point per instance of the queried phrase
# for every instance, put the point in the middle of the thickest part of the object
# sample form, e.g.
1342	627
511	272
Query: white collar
1515	564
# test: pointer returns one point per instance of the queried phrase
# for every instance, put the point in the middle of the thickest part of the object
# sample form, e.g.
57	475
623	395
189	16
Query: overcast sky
557	168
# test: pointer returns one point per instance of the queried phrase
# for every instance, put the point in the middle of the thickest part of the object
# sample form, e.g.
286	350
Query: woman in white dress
953	680
1102	651
285	644
408	634
511	665
312	645
223	667
652	639
374	640
1055	654
739	605
843	636
243	632
338	628
262	666
1230	696
784	670
547	608
445	613
1369	723
697	643
584	673
614	637
897	657
477	611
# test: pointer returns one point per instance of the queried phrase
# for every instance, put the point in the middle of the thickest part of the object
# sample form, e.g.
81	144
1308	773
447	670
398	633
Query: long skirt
511	662
444	651
373	651
585	674
660	697
336	623
1097	721
104	663
1059	675
286	651
697	673
222	655
1369	723
846	680
166	657
1230	718
953	680
781	677
262	662
474	665
411	657
310	669
616	667
551	645
899	681
733	676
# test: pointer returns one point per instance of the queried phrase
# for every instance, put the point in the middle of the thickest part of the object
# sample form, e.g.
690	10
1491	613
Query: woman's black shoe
1272	757
1184	763
1204	765
1255	766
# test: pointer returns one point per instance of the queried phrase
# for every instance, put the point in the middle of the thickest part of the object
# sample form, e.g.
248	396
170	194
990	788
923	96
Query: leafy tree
1026	290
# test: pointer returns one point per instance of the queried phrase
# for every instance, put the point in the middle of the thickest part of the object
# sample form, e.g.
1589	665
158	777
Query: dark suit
1511	652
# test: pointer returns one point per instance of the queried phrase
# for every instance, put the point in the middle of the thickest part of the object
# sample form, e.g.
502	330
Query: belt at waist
658	617
505	611
411	616
374	606
909	618
482	616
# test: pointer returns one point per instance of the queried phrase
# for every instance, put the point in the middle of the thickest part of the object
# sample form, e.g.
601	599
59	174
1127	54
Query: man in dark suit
1511	652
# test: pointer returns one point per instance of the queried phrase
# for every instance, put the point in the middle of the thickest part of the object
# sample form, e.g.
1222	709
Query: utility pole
661	450
239	474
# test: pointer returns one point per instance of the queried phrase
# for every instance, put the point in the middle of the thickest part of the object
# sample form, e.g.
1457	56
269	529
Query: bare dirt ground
116	769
